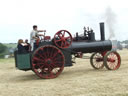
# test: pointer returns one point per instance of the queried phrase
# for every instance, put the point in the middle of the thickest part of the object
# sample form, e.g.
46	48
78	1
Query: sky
18	16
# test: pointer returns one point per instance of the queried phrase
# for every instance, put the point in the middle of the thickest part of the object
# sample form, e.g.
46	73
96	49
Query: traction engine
51	56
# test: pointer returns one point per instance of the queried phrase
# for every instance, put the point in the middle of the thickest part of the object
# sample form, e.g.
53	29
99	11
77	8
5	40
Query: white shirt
33	33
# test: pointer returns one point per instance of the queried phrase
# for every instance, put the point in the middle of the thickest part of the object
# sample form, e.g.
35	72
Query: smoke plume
110	21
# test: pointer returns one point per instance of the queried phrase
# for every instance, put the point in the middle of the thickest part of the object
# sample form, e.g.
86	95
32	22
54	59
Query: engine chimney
102	33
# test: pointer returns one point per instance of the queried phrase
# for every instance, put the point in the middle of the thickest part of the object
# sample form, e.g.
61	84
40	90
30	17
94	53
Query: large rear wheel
48	62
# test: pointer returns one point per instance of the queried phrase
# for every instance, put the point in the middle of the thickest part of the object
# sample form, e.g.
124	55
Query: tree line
3	50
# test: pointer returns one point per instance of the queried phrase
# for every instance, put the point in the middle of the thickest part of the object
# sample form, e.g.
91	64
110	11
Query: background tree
3	50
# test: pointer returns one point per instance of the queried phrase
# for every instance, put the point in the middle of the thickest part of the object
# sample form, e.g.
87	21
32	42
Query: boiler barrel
89	47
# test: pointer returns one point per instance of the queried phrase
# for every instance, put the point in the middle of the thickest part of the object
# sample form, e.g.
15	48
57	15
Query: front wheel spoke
111	65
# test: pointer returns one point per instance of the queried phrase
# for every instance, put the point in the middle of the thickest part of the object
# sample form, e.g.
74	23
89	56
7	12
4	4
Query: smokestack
102	33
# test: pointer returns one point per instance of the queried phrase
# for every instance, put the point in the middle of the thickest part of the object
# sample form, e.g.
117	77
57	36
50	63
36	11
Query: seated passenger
27	47
21	46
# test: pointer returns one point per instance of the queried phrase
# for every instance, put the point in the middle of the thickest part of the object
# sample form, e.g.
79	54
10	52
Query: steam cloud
110	21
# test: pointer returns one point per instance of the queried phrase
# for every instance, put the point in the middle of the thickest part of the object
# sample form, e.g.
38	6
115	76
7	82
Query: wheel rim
48	62
113	61
63	39
97	61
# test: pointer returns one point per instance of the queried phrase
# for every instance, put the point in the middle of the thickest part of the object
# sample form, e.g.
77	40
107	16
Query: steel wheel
63	39
96	61
112	60
48	62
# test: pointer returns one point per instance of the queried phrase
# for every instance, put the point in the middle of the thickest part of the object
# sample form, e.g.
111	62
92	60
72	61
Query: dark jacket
21	48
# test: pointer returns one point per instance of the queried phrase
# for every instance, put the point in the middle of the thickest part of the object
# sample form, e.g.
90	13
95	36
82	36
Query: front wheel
96	61
112	60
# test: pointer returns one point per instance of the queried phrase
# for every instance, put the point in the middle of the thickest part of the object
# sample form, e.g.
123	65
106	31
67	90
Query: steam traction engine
51	56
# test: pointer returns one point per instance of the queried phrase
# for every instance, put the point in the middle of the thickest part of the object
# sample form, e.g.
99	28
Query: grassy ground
79	80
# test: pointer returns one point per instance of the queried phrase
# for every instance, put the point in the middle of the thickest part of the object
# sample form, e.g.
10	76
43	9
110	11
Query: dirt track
79	80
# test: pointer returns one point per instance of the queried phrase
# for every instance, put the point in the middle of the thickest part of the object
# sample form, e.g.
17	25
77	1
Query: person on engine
35	36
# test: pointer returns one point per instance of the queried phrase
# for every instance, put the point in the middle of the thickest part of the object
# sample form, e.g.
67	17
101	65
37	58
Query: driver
35	35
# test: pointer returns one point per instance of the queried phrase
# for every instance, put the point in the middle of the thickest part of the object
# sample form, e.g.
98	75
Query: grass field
79	80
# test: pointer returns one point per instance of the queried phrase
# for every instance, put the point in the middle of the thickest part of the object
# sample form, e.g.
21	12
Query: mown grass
9	60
